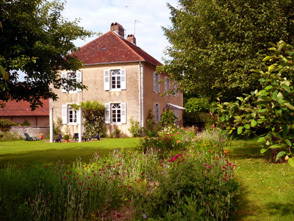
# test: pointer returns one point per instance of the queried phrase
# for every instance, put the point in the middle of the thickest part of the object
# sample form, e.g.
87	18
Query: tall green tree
269	111
35	41
216	43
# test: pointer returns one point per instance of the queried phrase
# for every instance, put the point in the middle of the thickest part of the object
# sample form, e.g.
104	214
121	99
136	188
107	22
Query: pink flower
207	166
175	157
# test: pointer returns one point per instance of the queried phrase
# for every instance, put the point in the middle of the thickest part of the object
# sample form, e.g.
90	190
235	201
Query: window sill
118	124
72	124
116	90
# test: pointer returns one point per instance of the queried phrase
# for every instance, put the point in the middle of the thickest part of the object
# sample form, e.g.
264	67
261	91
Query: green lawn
45	152
268	188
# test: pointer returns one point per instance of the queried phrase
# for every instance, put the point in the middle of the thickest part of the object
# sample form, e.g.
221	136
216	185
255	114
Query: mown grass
268	188
23	152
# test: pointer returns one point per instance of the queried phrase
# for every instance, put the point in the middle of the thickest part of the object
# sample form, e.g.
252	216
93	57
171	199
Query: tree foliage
5	125
197	104
269	111
216	43
35	40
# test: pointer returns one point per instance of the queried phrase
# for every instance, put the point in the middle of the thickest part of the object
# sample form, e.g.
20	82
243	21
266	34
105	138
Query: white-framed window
156	82
156	112
115	79
70	115
115	113
71	75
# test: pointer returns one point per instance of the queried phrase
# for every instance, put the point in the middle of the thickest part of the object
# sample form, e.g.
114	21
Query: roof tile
22	108
111	48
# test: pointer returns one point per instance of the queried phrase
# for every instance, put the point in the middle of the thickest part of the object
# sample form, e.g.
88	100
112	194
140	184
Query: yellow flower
287	157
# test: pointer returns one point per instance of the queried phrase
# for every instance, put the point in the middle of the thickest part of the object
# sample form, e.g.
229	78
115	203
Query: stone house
123	77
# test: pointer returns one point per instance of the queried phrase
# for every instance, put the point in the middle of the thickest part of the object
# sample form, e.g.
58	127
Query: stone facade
93	78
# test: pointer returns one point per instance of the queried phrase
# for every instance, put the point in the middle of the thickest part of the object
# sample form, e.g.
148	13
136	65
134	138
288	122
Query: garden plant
192	180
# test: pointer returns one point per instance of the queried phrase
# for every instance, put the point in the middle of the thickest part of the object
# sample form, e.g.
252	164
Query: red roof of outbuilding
22	108
111	48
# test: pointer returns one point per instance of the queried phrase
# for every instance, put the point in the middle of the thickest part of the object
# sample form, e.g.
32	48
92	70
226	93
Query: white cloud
97	15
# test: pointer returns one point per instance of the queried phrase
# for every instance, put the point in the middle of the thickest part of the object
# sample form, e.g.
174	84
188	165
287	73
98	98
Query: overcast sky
151	15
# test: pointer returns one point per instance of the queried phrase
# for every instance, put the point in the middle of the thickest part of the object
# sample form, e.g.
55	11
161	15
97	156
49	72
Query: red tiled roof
22	108
111	48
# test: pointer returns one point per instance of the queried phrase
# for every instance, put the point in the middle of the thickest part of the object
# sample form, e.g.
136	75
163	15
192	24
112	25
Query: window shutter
123	113
158	116
78	116
79	78
107	113
64	113
106	81
158	82
154	112
154	82
63	75
123	78
166	84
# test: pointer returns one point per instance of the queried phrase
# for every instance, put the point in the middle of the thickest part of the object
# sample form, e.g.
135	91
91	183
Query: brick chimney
118	28
132	39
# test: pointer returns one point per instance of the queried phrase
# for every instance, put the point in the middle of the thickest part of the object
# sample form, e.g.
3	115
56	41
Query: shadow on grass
244	206
281	209
244	149
67	156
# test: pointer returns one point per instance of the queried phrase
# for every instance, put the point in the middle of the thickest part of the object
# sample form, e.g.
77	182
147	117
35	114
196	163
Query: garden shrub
267	111
25	123
168	119
5	125
135	128
151	127
169	138
57	127
195	105
197	112
9	136
198	185
115	132
93	115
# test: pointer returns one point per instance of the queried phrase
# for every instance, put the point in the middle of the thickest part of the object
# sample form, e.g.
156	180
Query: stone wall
32	131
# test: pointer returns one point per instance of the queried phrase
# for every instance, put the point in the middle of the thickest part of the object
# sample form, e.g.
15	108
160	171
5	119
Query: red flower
175	157
207	166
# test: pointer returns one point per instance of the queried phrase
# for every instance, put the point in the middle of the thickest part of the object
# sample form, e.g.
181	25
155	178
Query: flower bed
191	182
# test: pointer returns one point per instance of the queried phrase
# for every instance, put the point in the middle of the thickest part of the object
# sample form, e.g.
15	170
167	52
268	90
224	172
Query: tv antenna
135	22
